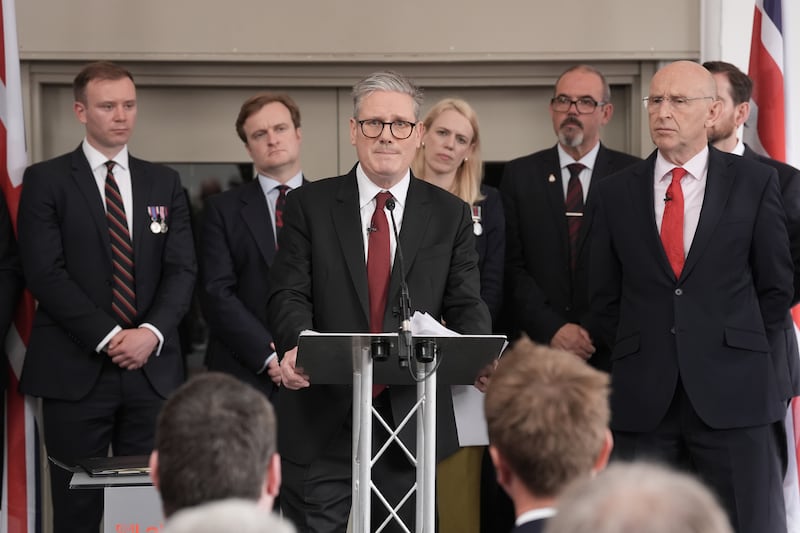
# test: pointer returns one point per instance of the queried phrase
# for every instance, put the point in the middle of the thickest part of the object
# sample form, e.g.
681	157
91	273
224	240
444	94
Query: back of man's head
741	84
227	516
547	412
215	439
631	498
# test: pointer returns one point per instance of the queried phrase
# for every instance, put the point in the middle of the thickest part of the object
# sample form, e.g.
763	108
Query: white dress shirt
270	186
367	191
585	176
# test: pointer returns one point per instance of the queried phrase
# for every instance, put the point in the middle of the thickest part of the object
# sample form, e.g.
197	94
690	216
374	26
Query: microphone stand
405	347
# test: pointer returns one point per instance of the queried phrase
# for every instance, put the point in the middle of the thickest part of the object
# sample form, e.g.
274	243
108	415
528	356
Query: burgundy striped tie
574	206
280	205
123	300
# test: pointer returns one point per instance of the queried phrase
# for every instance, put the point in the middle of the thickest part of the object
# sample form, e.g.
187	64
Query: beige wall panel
315	30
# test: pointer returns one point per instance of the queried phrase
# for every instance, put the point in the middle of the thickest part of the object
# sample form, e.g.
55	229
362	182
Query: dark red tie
574	207
123	286
672	222
379	269
280	205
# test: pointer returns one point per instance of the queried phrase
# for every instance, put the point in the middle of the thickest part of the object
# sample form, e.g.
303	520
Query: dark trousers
120	412
317	497
743	466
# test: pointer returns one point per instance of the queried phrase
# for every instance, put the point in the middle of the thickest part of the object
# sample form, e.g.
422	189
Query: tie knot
575	169
381	198
110	166
677	174
282	189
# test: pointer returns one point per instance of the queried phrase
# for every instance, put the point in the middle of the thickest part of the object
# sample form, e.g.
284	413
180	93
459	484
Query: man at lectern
333	273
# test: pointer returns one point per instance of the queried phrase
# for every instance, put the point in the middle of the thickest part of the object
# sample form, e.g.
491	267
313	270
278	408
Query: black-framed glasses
651	103
584	105
400	129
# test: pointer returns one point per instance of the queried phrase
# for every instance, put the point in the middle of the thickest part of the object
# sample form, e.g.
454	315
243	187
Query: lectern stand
364	359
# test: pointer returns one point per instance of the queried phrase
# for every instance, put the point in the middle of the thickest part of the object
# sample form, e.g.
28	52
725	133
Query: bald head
682	105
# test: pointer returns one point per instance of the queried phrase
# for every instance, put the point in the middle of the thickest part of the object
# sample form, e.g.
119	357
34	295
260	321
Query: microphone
405	299
372	229
667	198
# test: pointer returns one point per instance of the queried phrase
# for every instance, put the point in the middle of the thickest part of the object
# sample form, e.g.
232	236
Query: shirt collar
696	167
739	149
367	189
588	160
535	514
268	184
96	159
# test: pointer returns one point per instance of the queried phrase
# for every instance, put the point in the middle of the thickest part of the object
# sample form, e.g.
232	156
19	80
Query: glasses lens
586	105
371	128
402	129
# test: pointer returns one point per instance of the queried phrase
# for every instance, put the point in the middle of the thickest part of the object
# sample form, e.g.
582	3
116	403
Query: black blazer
319	281
534	526
236	251
491	245
544	294
713	325
66	257
10	282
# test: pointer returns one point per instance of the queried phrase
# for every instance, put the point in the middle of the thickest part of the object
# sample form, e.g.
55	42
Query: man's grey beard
573	141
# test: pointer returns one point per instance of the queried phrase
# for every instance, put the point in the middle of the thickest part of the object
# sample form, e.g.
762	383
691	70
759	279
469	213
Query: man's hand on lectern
293	377
482	381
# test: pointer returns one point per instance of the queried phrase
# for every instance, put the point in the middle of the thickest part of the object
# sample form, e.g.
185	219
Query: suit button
672	330
568	309
678	292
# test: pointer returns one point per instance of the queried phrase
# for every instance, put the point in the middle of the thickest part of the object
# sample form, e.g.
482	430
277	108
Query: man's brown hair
215	437
99	70
254	104
547	413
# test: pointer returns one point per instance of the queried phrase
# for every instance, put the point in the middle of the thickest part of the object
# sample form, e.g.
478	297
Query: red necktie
123	286
280	205
379	269
574	206
672	222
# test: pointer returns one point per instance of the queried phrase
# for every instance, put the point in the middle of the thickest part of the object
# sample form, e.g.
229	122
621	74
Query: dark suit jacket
236	251
66	258
534	526
319	281
10	283
544	293
491	245
711	326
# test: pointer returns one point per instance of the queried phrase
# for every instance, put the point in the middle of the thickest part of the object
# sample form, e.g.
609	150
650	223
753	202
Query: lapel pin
551	179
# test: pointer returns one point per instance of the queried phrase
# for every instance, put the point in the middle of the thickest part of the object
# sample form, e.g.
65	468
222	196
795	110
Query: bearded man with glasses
333	273
549	213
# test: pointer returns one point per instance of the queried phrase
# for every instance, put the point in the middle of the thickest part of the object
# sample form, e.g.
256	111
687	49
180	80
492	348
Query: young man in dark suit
691	277
549	214
547	414
239	240
107	251
333	273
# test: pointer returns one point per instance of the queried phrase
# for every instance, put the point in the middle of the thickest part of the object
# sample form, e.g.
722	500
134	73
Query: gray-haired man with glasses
333	273
548	203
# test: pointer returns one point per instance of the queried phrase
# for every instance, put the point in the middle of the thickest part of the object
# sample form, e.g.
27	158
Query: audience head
215	439
734	89
639	497
269	126
384	128
227	516
451	149
105	103
547	412
682	104
580	107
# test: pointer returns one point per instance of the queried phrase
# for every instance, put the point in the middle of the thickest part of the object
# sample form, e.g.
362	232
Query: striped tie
123	300
574	205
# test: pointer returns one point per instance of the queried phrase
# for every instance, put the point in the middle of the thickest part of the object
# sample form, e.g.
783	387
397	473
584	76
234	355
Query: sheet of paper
467	400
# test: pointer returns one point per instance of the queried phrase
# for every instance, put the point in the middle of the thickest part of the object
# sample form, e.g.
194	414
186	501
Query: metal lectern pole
362	440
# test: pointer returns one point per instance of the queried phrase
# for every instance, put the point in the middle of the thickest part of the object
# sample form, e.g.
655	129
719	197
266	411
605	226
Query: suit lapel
416	215
719	181
86	184
141	185
602	168
555	198
347	221
255	213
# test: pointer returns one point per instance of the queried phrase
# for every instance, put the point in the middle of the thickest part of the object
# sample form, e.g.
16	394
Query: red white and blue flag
769	130
20	500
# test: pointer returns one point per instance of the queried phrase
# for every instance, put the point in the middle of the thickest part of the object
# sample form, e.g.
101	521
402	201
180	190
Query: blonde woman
450	157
